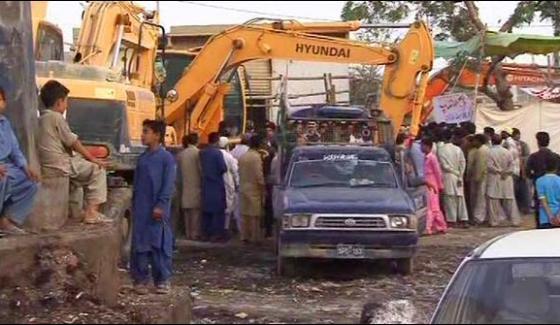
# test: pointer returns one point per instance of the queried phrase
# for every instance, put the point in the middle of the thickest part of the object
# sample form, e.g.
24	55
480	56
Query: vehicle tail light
98	151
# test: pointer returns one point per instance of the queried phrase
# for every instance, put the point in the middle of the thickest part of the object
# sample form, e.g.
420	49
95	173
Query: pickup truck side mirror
416	181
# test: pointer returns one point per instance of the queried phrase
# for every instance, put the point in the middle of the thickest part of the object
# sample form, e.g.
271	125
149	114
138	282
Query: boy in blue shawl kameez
152	237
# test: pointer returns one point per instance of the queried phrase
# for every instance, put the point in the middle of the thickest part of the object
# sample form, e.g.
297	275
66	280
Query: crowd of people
472	179
223	191
483	179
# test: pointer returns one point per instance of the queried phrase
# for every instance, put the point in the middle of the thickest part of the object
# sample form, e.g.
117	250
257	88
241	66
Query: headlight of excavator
172	95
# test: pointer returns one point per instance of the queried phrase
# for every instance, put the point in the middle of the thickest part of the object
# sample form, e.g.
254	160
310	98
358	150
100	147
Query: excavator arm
199	92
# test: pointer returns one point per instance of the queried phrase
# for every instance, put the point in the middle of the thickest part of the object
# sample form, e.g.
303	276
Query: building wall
186	42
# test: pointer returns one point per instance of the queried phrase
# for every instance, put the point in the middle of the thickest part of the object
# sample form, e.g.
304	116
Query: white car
513	279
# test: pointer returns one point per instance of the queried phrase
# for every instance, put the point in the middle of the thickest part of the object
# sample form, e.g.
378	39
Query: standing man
478	178
57	144
237	153
522	184
190	183
252	191
510	144
152	236
416	155
17	181
500	195
536	165
271	148
241	148
548	189
231	180
453	165
489	132
213	190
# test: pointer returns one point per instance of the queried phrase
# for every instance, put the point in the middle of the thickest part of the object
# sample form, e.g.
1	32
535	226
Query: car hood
358	200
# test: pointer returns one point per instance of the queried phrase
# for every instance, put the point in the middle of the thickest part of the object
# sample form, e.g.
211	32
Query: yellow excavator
47	37
196	103
112	77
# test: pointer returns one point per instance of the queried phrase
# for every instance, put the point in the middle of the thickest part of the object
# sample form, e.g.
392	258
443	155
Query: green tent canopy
500	44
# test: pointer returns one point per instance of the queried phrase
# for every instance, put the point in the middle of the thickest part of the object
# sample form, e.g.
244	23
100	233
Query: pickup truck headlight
300	221
398	222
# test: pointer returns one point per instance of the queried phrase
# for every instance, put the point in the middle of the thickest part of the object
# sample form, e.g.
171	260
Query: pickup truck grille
350	222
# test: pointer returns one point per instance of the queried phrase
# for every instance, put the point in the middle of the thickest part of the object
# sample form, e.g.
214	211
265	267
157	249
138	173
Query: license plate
351	251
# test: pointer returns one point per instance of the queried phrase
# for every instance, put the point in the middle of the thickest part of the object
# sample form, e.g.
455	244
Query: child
434	182
548	189
57	144
17	181
152	237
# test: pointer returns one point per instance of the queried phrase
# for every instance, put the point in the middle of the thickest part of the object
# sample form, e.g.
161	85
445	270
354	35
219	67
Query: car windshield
346	173
520	291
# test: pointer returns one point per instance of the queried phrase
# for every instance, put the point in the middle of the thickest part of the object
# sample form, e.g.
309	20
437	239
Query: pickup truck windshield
345	173
517	291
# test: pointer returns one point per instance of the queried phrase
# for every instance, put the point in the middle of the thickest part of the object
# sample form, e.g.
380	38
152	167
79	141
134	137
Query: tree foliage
459	21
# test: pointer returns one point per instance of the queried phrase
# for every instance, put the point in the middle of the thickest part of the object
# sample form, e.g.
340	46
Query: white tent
531	118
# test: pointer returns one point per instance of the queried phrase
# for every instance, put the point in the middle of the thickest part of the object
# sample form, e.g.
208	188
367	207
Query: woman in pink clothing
434	181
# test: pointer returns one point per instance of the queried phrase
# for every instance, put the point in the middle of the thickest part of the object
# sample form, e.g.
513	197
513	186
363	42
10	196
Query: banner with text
454	108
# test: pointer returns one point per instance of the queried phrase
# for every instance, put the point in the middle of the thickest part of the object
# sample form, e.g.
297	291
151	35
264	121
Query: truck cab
343	200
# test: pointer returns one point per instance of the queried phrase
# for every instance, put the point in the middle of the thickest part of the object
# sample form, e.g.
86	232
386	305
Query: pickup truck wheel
285	266
405	266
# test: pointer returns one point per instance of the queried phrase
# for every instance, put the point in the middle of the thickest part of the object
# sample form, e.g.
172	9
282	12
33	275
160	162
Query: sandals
12	231
163	288
97	220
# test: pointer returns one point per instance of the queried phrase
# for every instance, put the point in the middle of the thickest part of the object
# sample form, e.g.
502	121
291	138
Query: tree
365	81
456	20
550	10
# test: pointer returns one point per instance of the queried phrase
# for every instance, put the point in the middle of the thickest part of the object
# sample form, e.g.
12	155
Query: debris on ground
237	284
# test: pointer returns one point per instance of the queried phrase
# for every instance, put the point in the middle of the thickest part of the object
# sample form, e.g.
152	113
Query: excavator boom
199	89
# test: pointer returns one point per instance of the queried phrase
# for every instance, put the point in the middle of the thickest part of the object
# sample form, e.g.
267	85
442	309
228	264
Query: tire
405	266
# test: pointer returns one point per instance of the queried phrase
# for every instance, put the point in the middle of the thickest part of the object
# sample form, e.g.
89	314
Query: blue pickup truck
348	201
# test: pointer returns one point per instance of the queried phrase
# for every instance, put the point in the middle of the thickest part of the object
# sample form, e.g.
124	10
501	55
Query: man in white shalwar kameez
231	179
500	191
453	164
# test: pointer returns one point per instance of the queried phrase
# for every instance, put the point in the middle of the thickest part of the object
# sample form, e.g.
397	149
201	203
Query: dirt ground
236	284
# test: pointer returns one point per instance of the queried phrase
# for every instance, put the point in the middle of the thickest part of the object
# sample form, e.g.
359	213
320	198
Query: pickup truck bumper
326	244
